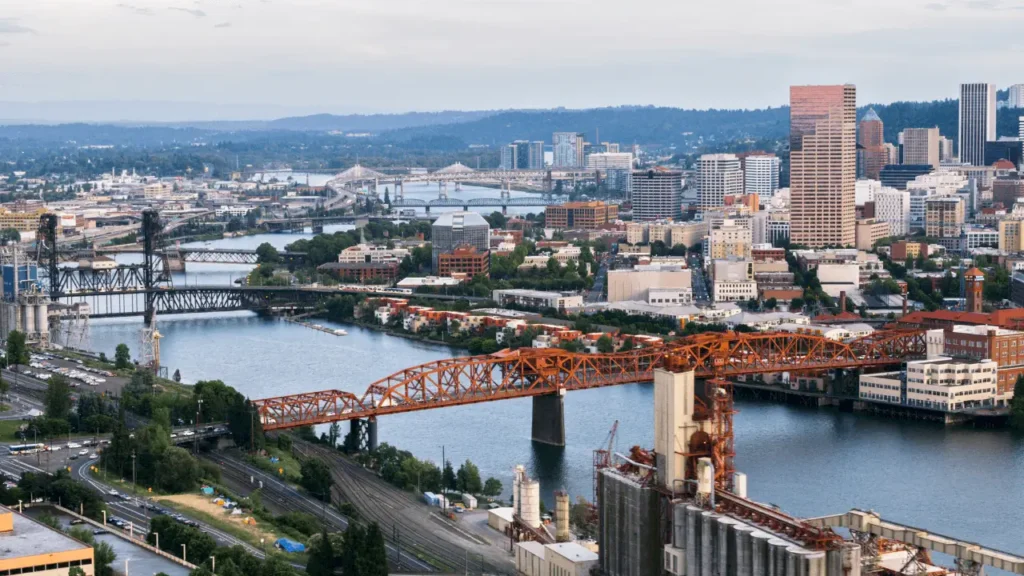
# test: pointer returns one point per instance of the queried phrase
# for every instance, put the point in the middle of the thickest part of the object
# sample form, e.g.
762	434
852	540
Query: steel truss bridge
196	299
225	255
466	204
533	372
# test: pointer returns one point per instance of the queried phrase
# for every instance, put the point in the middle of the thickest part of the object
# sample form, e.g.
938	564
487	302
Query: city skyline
73	56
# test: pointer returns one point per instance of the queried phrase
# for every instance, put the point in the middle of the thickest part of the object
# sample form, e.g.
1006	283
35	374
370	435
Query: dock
318	327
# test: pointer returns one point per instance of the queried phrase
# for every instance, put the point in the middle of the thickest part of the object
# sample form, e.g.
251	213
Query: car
124	497
83	452
77	521
99	532
173	435
93	456
188	433
74	445
113	492
73	457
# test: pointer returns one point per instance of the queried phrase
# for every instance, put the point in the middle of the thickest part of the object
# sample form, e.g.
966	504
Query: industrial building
31	547
635	283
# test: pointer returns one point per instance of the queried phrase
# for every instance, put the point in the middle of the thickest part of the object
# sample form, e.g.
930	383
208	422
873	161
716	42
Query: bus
19	449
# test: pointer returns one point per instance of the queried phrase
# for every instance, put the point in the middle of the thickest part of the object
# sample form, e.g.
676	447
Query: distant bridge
131	301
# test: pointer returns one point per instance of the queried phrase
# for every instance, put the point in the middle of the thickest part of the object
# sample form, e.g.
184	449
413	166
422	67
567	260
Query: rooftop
573	551
460	219
870	116
982	330
31	538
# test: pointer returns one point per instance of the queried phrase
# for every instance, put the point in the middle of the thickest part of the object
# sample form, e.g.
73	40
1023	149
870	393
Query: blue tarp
289	546
207	490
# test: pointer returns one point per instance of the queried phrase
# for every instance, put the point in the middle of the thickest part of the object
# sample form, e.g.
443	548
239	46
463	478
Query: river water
963	482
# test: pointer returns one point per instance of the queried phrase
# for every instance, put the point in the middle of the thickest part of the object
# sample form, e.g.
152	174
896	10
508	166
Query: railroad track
284	497
392	509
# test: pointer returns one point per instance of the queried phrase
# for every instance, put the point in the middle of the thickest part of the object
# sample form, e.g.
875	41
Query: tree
605	344
1017	404
796	304
58	397
554	268
448	479
333	433
354	536
321	557
177	375
316	479
9	236
122	357
103	554
468	478
372	558
177	470
267	254
17	350
492	487
387	196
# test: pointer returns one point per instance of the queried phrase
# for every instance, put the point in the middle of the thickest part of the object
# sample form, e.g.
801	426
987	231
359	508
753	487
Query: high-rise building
718	176
761	175
656	194
897	175
509	157
944	217
945	149
977	121
893	206
823	164
873	155
892	154
459	229
567	148
1016	99
1020	127
610	161
921	146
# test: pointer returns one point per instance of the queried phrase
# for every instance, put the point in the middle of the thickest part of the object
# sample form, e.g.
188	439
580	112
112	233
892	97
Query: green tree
333	433
372	558
9	236
266	253
354	536
1017	404
103	554
605	345
321	557
177	470
387	196
58	397
122	357
492	487
553	267
17	350
448	479
316	479
468	478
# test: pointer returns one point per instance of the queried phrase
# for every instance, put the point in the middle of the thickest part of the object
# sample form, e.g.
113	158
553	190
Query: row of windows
880	386
45	567
951	394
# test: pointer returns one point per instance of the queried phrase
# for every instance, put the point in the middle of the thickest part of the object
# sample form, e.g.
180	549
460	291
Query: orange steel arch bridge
532	372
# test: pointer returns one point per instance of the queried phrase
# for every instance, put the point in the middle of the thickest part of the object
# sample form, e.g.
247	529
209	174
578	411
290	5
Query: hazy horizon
208	60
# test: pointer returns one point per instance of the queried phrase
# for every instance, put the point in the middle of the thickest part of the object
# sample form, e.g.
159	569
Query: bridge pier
549	419
465	207
371	434
504	210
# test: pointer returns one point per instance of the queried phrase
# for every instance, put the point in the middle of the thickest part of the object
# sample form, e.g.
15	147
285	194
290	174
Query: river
959	481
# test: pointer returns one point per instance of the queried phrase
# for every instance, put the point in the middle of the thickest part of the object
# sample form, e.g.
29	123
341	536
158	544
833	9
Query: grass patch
291	467
9	427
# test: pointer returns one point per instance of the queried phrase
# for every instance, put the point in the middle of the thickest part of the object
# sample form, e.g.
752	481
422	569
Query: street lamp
213	564
199	413
157	536
134	490
184	558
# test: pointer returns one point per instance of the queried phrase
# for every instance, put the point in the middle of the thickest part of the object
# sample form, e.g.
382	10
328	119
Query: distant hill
625	124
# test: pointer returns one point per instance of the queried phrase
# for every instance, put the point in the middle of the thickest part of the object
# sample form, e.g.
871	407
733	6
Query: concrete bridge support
371	434
549	419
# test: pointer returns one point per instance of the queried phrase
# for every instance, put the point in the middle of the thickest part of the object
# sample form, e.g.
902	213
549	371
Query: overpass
546	374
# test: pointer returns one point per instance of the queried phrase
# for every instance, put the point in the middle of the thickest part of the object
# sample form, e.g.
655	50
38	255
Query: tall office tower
872	145
656	194
1016	96
718	176
509	157
823	164
522	153
977	121
535	157
1020	127
945	149
921	146
761	175
568	149
611	147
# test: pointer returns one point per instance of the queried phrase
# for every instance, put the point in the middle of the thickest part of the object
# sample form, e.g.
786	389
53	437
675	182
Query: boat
340	332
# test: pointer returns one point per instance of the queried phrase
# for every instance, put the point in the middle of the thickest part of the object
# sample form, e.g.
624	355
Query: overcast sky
241	59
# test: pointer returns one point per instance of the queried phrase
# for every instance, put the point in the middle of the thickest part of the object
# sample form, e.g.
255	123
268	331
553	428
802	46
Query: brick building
983	342
464	260
362	272
580	215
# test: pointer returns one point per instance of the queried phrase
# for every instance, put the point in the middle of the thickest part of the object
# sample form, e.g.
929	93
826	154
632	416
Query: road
418	527
701	288
596	292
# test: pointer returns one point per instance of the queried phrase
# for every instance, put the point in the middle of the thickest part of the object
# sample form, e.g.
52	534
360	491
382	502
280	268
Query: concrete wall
626	285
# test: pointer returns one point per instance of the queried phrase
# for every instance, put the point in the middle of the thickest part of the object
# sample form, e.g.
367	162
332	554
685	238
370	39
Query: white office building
718	176
893	206
1016	99
567	149
864	191
761	175
656	194
977	121
610	161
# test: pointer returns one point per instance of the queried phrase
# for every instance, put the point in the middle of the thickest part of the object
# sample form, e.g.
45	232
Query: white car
188	433
74	445
83	452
